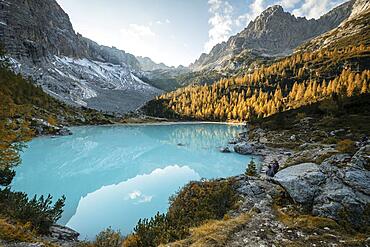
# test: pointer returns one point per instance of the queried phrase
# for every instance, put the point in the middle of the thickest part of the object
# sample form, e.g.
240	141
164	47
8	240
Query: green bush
193	204
6	176
38	211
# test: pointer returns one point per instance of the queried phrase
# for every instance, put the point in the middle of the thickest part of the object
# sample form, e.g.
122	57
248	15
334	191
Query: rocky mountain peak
273	33
275	9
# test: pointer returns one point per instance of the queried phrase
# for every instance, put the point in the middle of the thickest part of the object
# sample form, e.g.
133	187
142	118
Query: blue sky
174	31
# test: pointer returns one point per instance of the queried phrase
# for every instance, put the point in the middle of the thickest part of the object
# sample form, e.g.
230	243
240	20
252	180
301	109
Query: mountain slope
273	33
39	38
160	75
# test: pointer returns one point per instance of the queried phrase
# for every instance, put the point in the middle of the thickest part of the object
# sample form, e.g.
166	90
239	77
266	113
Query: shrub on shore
194	204
39	212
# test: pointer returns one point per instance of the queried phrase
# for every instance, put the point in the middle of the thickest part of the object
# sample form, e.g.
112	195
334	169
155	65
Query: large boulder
339	188
302	182
247	147
244	148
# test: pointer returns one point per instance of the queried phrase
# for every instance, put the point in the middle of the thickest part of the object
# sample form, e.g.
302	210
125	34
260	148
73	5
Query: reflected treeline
203	136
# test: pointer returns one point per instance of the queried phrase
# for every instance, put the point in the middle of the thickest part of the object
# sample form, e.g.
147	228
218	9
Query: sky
174	32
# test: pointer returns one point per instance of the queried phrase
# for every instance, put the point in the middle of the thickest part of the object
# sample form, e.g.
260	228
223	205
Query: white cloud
145	198
141	198
159	22
135	194
255	9
315	8
220	22
136	30
288	3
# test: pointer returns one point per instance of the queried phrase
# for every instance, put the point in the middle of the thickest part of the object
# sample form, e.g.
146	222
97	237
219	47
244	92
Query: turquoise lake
115	175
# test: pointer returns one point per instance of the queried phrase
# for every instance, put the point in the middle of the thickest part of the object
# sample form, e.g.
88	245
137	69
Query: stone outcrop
273	33
63	233
339	188
42	127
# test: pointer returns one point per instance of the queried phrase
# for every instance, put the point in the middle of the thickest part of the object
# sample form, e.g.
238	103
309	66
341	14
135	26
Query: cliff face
41	43
273	33
353	31
35	29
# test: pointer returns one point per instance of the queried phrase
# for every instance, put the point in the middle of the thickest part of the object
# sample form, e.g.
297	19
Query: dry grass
16	232
307	222
130	240
212	233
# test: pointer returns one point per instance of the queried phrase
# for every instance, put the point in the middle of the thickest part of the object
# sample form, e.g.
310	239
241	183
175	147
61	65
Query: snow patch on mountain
80	81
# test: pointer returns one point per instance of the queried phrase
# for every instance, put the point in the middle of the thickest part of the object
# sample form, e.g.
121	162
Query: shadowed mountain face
41	43
273	33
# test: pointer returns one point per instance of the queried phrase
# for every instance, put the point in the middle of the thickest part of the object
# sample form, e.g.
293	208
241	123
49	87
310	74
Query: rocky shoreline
319	195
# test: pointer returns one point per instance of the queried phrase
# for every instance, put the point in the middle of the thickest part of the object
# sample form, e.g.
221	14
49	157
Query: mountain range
41	44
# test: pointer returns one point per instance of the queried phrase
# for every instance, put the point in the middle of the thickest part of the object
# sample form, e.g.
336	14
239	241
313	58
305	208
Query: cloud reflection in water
122	205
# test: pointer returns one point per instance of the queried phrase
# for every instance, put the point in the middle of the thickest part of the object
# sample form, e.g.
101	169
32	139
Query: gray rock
263	140
42	127
64	132
63	233
233	141
244	148
21	244
339	188
335	132
302	182
257	193
225	150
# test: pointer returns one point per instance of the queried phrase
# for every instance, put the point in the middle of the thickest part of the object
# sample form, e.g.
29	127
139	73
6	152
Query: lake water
115	175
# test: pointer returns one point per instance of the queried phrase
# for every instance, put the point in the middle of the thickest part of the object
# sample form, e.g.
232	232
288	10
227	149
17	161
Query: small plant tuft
346	146
251	169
